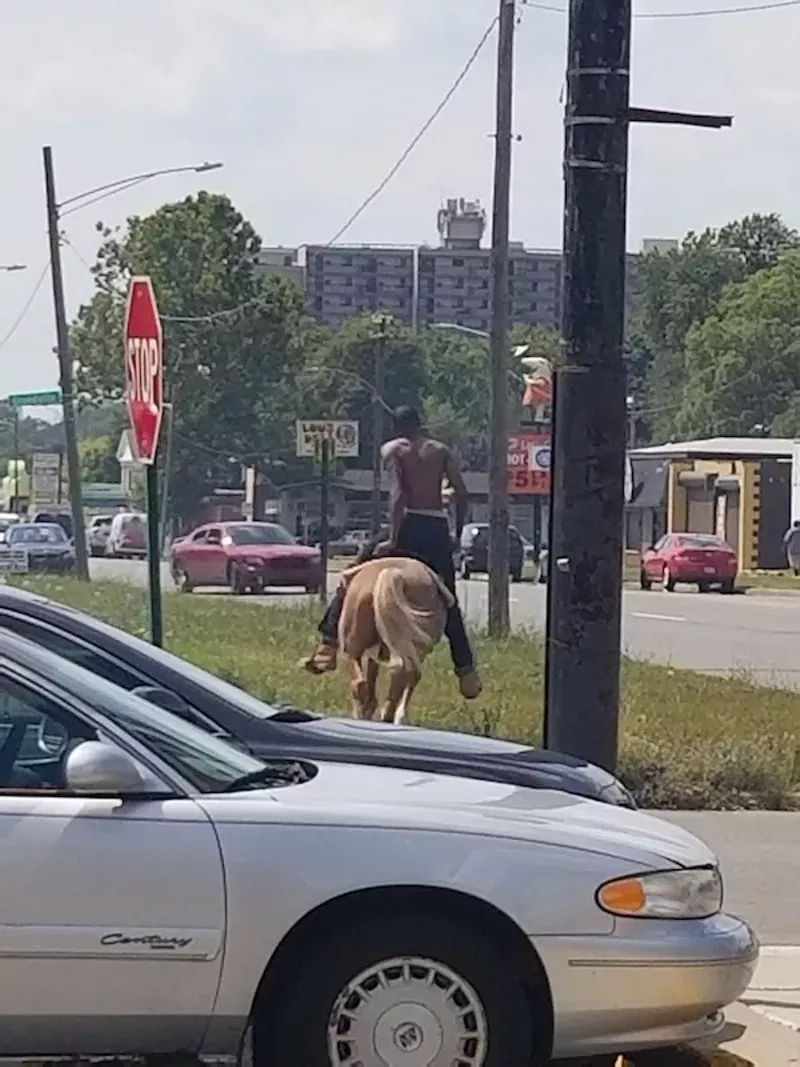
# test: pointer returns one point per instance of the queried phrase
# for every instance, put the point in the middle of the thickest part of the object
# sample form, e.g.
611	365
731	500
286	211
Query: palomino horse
394	613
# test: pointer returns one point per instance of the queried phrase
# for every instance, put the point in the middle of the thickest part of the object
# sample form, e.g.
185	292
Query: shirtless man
417	466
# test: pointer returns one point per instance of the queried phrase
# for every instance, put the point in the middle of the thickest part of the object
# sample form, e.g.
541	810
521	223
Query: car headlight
695	893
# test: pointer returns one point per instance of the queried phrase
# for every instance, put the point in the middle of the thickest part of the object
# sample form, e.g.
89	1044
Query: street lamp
518	350
54	213
10	267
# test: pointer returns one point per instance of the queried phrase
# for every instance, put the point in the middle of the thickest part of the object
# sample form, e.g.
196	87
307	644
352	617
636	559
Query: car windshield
40	534
257	534
702	541
208	763
231	694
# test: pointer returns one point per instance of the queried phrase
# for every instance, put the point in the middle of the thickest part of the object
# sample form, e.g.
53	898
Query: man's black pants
426	538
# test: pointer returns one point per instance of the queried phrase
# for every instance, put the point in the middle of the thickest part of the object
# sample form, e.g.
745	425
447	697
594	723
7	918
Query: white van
127	538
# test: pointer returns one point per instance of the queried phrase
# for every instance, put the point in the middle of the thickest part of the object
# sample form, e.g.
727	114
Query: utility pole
498	407
65	373
377	426
16	461
326	448
590	417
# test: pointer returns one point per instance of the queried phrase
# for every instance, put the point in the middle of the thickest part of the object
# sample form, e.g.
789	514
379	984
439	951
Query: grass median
689	740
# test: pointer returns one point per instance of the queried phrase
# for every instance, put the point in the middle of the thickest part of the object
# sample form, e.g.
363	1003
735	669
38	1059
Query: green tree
743	361
681	288
339	375
98	456
234	341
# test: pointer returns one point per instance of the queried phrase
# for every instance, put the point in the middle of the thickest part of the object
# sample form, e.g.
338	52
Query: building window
458	262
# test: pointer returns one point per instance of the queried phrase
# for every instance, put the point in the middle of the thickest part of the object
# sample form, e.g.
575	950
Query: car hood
450	752
364	796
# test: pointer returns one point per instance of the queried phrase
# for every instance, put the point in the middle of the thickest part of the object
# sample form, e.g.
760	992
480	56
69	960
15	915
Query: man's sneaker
322	662
470	684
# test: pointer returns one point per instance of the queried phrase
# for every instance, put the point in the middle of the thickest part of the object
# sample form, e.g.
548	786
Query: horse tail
399	624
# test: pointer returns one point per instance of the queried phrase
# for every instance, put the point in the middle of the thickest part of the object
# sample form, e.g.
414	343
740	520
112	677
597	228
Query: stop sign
144	367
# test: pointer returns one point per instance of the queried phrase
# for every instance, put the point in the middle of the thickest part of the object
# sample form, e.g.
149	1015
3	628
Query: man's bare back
420	465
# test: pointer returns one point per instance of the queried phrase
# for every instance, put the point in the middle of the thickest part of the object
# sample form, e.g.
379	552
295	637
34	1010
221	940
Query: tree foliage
743	360
233	339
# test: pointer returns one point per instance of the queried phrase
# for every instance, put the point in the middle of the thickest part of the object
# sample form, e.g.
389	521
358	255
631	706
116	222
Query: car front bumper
647	985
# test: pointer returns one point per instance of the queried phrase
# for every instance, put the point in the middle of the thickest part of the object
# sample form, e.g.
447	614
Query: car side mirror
98	767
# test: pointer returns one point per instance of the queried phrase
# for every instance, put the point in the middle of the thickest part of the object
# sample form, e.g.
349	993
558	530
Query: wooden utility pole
590	418
66	381
498	410
377	426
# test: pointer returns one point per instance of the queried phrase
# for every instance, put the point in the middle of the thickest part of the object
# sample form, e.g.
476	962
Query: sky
308	104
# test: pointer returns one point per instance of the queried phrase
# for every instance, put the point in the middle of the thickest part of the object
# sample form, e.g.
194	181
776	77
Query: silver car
163	891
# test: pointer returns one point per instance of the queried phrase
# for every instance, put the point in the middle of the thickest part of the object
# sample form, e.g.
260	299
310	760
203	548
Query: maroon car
246	557
696	559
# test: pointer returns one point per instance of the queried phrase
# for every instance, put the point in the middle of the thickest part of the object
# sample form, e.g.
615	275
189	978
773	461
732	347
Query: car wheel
669	581
466	573
237	581
728	586
644	581
703	587
415	986
312	589
516	576
181	579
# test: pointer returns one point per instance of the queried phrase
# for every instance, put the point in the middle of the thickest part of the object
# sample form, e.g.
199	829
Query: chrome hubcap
407	1012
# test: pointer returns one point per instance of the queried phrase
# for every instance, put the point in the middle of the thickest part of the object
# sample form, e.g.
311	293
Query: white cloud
309	102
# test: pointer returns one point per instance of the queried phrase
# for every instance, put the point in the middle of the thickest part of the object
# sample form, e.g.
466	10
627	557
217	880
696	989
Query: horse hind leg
363	684
402	682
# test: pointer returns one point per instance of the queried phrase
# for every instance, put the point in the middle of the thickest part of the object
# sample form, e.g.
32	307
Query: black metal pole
154	557
324	496
65	373
583	651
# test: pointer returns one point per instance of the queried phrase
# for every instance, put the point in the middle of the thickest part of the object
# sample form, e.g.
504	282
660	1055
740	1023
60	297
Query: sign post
144	396
322	440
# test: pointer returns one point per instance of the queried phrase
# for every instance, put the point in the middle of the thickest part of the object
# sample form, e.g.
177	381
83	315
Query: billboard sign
342	433
528	463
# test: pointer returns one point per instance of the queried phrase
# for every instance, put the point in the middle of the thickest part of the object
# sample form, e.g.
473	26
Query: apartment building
425	285
343	283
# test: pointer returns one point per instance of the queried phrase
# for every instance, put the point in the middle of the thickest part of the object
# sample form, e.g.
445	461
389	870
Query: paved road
758	634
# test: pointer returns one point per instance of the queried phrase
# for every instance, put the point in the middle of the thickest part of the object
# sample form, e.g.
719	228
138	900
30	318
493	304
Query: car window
257	534
94	661
230	694
214	537
199	536
661	543
700	541
39	535
208	763
36	735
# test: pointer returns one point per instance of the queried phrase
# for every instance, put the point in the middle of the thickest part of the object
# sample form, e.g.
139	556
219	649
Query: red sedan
246	557
696	559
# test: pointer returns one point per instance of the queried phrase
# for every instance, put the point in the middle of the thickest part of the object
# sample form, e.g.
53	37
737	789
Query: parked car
46	545
127	536
704	560
350	543
165	893
475	551
61	518
98	533
246	557
270	731
7	520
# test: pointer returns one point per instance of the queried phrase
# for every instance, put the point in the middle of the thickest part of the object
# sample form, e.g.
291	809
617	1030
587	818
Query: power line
216	316
770	5
18	321
448	96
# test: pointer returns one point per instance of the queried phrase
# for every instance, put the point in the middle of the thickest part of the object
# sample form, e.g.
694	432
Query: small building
736	487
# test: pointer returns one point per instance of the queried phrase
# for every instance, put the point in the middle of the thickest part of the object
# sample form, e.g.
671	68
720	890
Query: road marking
658	618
